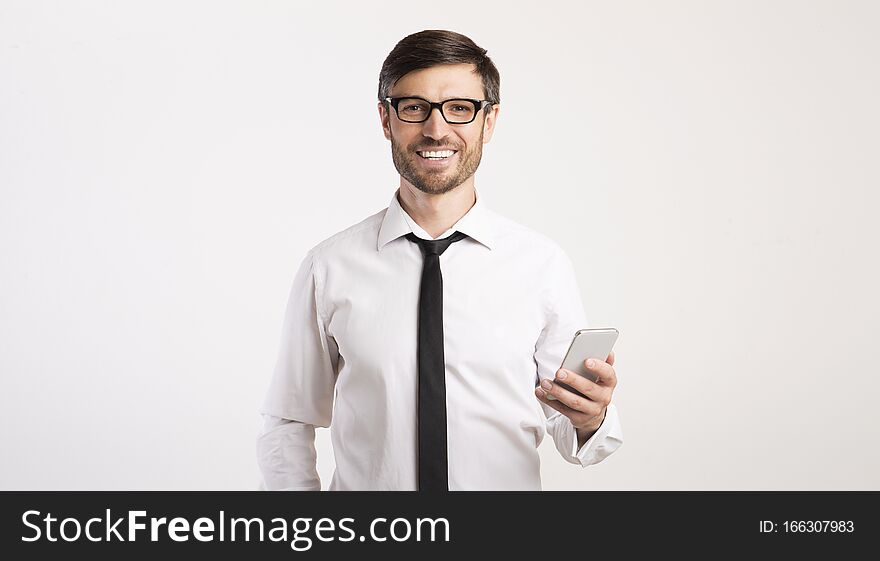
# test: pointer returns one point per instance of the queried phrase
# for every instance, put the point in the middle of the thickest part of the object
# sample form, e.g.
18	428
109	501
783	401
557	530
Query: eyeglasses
454	111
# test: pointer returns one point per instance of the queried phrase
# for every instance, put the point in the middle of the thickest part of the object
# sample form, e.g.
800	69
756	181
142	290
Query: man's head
438	66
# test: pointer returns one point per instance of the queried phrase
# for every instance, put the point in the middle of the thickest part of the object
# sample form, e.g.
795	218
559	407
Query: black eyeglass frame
480	104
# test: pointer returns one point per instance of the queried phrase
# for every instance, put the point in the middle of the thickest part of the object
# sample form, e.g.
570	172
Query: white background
711	168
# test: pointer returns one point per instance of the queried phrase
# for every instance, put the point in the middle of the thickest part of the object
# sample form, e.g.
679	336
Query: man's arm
300	394
564	315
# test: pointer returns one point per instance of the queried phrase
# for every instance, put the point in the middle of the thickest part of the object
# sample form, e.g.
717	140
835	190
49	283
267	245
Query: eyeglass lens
414	110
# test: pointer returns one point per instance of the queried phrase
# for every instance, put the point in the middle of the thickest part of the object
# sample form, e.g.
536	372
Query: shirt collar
476	223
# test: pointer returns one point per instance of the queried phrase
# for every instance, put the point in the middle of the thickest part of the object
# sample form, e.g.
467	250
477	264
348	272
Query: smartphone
587	343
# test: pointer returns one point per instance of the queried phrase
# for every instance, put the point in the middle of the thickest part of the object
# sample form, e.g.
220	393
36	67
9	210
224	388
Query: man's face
409	139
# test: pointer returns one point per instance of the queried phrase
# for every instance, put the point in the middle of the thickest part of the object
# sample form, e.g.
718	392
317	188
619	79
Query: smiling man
428	336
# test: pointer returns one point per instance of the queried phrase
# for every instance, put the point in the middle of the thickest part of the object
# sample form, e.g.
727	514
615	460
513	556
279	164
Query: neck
436	213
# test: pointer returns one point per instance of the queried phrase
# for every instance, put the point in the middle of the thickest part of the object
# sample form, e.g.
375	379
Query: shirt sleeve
286	456
564	315
300	393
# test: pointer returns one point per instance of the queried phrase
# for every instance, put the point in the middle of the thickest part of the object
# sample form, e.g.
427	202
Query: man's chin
433	189
429	183
425	183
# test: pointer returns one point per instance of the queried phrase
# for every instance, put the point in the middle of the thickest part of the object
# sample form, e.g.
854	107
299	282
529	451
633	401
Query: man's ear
384	118
489	122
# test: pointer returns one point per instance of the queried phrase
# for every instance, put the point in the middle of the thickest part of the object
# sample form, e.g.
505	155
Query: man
422	332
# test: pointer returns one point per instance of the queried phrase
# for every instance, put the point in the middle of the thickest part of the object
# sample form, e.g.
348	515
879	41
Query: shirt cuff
607	439
286	456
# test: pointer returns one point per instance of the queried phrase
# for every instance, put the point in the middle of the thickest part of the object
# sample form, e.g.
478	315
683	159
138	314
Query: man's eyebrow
423	97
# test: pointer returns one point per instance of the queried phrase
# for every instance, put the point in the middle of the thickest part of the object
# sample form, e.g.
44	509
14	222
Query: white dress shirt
348	354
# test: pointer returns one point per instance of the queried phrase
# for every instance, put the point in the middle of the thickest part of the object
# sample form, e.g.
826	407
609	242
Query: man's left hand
586	414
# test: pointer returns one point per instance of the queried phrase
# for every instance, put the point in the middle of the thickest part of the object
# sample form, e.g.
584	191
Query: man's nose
435	126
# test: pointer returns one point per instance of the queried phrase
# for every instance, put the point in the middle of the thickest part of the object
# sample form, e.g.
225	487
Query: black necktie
433	470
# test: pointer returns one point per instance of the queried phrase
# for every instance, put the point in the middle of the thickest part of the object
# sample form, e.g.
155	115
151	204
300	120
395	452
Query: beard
436	181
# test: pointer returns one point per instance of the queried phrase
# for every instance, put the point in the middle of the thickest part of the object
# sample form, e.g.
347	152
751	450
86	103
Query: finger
572	400
610	359
604	372
600	394
555	404
576	417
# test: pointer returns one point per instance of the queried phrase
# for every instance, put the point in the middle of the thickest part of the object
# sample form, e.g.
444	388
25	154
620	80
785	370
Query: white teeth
440	154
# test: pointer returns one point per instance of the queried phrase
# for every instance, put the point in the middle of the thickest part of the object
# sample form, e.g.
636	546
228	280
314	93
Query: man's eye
412	108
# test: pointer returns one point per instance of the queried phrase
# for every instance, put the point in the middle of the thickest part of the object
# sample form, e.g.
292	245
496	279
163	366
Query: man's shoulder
521	237
357	236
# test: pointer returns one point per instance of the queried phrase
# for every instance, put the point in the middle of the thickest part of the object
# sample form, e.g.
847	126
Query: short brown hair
433	47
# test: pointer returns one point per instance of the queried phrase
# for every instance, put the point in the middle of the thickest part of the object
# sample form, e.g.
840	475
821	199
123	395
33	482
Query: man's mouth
436	154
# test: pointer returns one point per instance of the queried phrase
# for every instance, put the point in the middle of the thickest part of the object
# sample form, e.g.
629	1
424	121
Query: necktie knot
435	247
